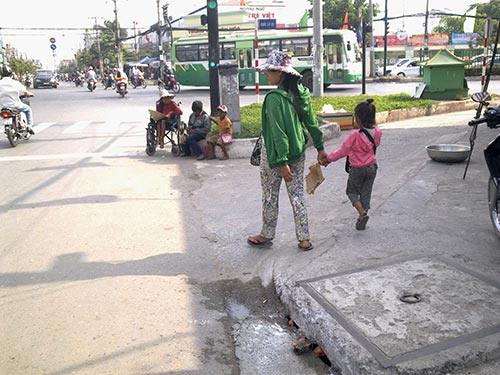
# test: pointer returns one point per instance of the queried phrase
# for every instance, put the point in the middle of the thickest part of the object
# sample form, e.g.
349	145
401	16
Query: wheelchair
173	133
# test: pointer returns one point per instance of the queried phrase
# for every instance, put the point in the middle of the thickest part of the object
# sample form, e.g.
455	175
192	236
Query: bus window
228	51
186	53
299	46
331	53
203	52
339	54
266	46
249	58
241	59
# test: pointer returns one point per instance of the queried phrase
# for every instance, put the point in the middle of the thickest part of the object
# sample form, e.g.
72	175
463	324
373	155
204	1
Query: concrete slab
457	307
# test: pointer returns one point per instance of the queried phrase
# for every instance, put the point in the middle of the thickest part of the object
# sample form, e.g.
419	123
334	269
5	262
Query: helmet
222	108
6	71
90	68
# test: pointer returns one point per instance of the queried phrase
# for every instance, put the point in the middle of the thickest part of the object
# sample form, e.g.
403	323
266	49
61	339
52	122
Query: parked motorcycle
91	84
491	117
15	125
138	81
121	88
170	84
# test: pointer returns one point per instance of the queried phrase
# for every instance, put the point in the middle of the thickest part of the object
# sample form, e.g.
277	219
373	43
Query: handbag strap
370	138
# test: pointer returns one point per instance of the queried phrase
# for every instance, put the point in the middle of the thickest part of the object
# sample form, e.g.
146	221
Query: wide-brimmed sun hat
277	60
223	108
165	94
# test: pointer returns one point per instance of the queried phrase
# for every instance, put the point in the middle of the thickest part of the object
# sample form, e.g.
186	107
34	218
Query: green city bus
341	58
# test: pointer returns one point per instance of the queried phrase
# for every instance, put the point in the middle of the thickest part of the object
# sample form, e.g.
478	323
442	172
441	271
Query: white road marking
42	126
77	127
83	155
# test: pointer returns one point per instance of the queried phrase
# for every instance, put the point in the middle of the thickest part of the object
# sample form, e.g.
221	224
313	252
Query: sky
59	14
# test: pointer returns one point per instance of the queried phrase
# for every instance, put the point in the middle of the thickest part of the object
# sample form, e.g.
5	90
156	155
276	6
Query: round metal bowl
448	153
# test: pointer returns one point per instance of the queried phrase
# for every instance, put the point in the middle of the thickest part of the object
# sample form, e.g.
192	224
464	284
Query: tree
491	9
450	25
21	66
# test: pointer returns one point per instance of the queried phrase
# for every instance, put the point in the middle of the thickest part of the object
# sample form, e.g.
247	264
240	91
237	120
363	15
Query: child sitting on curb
225	135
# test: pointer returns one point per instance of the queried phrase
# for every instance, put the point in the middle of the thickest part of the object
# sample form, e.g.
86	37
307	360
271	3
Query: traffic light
203	19
212	4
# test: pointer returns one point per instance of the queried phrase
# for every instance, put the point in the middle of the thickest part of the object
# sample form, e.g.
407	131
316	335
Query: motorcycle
78	81
491	117
27	81
15	125
91	84
109	82
138	81
170	84
121	88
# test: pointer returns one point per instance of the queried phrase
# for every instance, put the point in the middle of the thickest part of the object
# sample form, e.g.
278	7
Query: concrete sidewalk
429	236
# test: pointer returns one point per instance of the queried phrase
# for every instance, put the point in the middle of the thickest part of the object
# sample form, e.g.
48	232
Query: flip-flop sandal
252	241
307	248
361	223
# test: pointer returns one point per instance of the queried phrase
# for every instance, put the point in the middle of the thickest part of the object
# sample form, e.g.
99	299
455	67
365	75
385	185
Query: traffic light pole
213	54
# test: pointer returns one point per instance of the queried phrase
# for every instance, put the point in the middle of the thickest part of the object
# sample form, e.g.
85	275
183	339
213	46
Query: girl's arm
343	150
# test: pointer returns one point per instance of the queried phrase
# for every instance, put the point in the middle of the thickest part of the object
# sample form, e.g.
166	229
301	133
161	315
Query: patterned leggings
270	180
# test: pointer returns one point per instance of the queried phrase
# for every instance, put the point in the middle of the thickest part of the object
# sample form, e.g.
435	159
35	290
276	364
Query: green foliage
450	25
251	114
21	66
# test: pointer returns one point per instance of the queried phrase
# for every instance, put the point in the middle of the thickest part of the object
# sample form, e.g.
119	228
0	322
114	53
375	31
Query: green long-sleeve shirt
284	127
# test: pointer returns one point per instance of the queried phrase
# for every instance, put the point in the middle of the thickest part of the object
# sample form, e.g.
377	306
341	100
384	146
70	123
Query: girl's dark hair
197	106
290	83
365	112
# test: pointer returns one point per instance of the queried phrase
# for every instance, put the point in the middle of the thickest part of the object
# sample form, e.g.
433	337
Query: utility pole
166	19
426	32
117	40
386	27
372	41
101	64
136	45
160	44
318	48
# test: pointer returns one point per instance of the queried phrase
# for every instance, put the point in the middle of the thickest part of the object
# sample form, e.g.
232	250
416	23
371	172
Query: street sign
267	24
53	47
52	40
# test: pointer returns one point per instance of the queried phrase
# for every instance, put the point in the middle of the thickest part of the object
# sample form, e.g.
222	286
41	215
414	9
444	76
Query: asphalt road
112	262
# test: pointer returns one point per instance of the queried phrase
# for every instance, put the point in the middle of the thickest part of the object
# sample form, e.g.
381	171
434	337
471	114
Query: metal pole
117	39
318	48
256	60
372	42
101	64
385	39
166	18
426	32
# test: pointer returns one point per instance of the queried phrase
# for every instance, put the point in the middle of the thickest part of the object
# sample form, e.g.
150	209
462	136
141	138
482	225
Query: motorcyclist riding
10	93
121	77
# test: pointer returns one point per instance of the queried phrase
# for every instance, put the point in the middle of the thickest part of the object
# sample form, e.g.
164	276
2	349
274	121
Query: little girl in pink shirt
360	147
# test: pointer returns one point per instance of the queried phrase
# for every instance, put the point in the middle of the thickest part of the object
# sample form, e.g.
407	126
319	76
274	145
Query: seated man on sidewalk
198	127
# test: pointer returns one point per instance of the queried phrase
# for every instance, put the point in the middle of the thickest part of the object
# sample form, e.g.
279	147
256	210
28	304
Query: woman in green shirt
286	115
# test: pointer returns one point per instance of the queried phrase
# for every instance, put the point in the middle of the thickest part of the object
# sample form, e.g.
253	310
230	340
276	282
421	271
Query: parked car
45	77
409	68
389	68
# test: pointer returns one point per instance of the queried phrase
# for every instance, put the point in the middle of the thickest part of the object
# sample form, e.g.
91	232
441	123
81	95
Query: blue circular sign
53	47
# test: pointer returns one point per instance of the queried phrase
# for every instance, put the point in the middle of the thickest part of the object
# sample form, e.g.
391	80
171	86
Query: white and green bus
341	60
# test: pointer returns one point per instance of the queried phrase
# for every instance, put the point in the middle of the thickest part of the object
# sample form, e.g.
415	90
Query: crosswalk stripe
42	126
77	127
85	155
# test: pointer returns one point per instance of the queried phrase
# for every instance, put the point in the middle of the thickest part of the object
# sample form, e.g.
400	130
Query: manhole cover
456	306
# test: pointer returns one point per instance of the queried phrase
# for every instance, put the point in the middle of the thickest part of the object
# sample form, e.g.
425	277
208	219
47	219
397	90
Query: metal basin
448	153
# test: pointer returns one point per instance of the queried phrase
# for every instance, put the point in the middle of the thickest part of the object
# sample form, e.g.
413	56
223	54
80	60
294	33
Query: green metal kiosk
444	77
